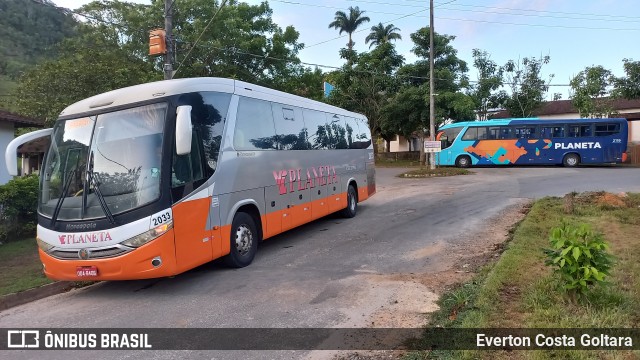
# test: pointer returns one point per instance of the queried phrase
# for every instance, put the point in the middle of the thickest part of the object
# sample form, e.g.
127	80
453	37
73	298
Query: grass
20	267
439	171
519	291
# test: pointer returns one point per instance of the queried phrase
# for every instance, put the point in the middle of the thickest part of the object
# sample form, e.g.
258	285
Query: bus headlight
145	237
43	245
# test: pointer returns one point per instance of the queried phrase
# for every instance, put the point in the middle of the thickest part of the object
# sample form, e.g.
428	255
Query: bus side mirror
183	130
11	153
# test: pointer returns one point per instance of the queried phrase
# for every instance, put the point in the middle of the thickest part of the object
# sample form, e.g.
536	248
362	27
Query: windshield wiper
96	190
63	196
103	203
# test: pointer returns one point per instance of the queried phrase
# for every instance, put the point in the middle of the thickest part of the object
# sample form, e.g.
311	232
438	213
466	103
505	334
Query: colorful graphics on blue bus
533	141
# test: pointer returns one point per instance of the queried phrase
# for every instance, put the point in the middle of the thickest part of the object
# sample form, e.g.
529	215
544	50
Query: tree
111	52
408	111
484	92
528	89
381	34
591	89
86	66
366	87
350	23
242	41
629	87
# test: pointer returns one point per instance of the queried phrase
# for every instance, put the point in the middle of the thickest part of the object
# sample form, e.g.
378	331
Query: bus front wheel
244	241
571	160
463	161
352	203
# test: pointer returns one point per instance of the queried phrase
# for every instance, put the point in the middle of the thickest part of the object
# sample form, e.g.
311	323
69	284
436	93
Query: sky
573	33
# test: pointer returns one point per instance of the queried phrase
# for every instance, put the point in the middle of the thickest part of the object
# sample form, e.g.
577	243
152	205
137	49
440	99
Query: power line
464	19
612	17
237	51
224	2
561	15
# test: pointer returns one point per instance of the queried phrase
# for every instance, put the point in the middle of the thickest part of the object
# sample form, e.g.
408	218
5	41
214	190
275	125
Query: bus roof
526	121
148	91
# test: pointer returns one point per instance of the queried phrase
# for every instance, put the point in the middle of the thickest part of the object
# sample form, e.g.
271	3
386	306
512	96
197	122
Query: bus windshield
104	164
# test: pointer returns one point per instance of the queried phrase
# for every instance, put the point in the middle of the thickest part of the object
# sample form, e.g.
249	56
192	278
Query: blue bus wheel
571	160
463	161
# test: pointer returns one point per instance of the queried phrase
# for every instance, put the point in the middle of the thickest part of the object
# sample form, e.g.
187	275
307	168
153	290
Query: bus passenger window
352	130
499	133
482	133
470	134
254	126
552	132
574	131
290	129
316	122
607	129
525	132
363	138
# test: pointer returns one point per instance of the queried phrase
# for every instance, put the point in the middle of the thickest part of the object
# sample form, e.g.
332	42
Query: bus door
611	141
192	237
444	156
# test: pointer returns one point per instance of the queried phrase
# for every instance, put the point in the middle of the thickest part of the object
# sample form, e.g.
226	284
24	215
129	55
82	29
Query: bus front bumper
136	264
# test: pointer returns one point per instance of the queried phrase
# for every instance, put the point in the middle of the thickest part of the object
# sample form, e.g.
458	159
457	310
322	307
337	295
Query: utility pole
432	111
168	27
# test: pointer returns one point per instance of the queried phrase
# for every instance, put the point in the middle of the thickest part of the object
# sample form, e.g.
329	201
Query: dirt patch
611	200
604	199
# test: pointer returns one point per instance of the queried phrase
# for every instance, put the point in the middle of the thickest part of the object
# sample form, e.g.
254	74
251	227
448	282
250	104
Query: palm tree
350	23
381	34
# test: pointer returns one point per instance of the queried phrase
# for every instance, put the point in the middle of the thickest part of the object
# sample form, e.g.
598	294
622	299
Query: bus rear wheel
463	161
571	160
244	241
352	203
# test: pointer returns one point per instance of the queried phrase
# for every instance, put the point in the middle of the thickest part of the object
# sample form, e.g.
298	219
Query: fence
634	154
399	155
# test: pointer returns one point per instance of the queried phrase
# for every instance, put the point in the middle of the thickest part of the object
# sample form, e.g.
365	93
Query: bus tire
571	160
352	203
463	161
244	241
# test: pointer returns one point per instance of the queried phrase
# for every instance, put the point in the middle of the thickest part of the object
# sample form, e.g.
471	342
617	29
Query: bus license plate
86	271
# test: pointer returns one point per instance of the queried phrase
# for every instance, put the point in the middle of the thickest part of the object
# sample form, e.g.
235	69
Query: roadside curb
23	297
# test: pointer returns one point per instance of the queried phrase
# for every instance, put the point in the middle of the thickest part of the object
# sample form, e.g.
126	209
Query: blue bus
533	141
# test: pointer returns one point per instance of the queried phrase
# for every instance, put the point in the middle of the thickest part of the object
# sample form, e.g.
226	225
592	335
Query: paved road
333	272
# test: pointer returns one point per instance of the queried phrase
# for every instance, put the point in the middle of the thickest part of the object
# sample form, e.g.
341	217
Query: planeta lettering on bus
316	176
578	145
84	238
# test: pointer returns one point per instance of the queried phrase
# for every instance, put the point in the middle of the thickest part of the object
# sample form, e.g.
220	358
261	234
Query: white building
31	156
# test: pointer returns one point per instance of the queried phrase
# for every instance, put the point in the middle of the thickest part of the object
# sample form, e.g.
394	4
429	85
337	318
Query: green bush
18	207
580	257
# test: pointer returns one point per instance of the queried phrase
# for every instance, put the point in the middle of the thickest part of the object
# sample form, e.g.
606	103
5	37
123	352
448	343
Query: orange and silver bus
155	179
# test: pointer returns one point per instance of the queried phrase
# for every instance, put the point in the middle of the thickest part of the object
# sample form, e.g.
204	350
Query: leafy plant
18	203
580	256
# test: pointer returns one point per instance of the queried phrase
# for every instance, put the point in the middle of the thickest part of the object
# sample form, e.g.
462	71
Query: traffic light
157	42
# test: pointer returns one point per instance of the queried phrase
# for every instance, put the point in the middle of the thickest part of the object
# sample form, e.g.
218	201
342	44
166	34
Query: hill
28	29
